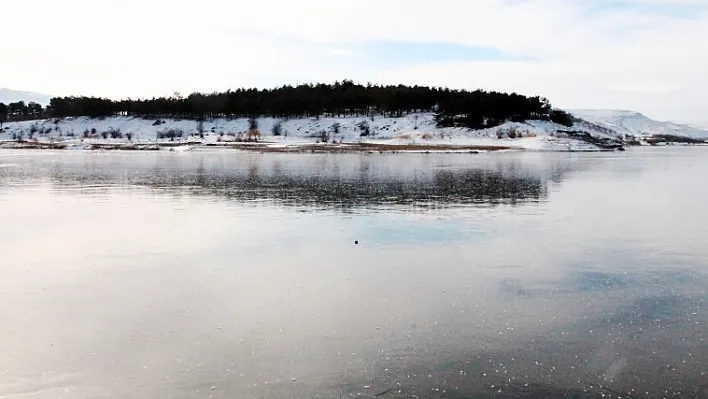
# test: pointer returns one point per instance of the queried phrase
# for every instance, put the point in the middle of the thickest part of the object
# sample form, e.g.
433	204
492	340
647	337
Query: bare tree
252	123
324	136
336	126
365	128
200	128
277	129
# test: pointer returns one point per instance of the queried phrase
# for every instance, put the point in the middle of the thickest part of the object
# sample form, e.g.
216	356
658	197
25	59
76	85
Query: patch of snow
419	128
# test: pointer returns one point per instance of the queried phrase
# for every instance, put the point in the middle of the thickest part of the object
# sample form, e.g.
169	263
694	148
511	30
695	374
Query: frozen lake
236	275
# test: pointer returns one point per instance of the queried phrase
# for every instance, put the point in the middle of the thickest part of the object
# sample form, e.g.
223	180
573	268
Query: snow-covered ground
635	124
416	129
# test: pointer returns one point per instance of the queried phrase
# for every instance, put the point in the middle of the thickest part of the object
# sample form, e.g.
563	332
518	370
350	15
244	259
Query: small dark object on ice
356	242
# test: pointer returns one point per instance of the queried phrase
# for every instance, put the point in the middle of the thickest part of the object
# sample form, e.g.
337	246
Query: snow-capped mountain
700	125
10	96
635	124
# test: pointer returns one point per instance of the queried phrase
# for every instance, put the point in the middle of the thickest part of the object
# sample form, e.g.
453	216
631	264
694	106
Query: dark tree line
19	111
473	109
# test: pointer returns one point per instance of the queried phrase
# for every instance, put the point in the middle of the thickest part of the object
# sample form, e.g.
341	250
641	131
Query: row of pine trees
463	108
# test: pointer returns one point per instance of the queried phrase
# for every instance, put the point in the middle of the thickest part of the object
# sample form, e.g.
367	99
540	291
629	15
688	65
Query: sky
644	55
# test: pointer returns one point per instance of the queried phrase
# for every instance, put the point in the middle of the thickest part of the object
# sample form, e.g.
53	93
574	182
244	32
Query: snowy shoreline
416	132
279	147
413	133
260	146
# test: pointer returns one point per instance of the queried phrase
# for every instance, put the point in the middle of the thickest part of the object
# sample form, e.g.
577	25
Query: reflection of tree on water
445	187
253	174
485	186
201	173
328	182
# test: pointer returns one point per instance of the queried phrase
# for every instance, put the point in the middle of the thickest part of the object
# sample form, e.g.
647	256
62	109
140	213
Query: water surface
225	274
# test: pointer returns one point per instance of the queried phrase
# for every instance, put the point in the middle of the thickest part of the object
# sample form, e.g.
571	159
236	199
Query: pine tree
462	108
3	114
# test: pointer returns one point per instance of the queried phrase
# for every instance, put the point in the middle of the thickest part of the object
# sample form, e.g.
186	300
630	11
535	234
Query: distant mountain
10	96
635	124
700	125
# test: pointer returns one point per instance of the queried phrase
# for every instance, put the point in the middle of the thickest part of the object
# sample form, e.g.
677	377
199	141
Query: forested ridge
453	108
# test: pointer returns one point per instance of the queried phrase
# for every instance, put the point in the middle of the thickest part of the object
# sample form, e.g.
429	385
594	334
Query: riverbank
416	132
302	147
413	132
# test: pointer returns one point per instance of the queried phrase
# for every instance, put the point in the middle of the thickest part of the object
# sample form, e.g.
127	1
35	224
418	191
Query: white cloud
587	56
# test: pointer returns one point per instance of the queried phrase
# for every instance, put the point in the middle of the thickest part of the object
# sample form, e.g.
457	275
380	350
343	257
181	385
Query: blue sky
644	55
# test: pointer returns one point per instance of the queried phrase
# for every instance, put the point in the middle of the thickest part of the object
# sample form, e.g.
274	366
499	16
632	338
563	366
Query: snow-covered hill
700	125
635	124
8	96
411	129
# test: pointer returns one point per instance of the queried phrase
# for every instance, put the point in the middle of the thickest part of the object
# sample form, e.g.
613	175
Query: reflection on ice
236	275
317	180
